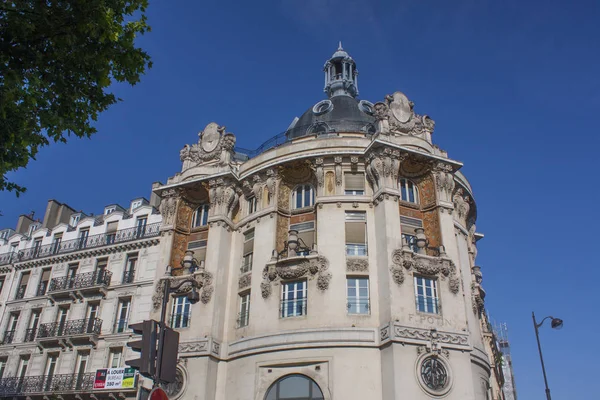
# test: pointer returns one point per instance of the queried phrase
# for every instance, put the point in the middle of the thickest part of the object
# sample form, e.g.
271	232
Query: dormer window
74	219
33	228
200	216
109	210
4	235
409	191
303	196
135	204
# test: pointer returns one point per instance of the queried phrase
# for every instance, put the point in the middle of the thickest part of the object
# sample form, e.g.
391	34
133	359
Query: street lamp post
555	323
193	297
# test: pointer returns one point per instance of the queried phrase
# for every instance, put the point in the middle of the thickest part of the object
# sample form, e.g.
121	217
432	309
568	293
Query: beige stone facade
273	306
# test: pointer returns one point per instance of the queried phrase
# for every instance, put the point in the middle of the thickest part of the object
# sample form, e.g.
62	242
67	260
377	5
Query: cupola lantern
341	76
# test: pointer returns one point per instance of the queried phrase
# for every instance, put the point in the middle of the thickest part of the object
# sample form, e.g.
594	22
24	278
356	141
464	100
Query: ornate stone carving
175	389
444	180
319	172
397	116
271	184
203	278
192	347
442	267
294	268
214	145
461	206
432	335
382	166
477	298
168	206
357	264
245	281
224	196
338	170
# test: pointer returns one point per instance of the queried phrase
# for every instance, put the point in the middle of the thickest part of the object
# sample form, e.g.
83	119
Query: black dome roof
337	114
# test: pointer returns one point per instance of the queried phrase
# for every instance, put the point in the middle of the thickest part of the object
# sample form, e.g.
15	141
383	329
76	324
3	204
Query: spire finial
340	46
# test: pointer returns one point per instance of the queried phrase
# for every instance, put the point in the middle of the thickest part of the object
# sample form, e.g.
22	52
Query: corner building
337	261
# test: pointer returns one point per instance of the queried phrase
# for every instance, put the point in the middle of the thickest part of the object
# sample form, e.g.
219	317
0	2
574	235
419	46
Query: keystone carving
294	268
427	265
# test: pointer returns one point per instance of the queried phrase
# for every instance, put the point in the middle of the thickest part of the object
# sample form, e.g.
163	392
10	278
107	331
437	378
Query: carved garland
295	268
433	266
204	279
357	265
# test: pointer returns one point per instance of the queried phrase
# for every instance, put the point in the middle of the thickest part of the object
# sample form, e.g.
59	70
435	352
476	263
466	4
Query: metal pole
537	336
162	325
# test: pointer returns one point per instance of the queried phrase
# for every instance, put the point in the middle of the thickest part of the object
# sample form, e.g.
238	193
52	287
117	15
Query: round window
322	107
366	107
433	373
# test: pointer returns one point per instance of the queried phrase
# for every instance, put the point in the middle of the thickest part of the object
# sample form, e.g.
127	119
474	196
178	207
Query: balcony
90	242
20	293
57	384
30	334
79	286
8	338
69	333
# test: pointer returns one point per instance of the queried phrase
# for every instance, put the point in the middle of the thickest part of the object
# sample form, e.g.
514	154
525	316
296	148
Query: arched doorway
294	387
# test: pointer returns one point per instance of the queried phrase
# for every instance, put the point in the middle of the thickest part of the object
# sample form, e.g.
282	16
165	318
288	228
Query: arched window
303	196
200	216
294	387
409	191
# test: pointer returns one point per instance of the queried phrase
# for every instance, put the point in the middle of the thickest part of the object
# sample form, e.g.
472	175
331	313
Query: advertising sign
115	378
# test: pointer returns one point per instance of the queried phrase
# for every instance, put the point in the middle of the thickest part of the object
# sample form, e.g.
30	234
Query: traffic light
146	364
168	361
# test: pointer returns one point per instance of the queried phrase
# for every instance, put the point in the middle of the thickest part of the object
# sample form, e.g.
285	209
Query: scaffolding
509	390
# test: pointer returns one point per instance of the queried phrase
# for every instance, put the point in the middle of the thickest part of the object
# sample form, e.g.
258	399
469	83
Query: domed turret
341	76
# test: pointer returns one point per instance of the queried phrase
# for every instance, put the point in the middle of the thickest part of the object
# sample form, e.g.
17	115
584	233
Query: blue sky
512	85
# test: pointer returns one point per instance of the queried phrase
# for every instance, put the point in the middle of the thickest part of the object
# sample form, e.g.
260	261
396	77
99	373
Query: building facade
337	261
69	287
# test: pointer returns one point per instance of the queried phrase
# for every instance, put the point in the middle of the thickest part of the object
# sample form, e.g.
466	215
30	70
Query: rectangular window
11	328
111	232
248	251
80	368
252	204
71	275
356	233
83	237
129	273
116	354
61	320
181	312
56	241
3	362
293	299
44	281
244	315
122	315
2	280
358	295
23	285
37	245
34	321
354	183
140	225
426	295
51	362
411	241
306	237
22	371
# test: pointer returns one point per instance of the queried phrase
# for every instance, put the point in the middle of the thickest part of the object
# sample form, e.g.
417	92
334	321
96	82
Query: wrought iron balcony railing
87	326
42	288
180	320
55	384
8	337
128	276
89	242
20	292
80	281
30	334
292	308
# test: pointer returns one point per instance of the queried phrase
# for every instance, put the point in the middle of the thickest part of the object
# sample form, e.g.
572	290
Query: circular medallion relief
210	137
433	375
175	389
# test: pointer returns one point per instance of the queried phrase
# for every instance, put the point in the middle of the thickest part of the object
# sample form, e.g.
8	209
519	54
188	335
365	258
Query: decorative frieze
193	347
356	264
245	281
